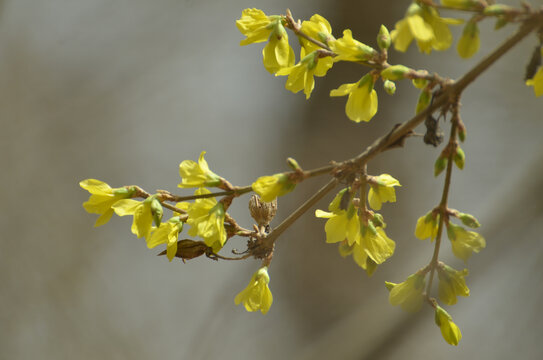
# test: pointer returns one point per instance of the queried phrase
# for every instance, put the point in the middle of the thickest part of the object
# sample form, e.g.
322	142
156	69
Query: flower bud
383	38
390	87
424	101
156	211
395	72
293	164
469	220
440	165
459	158
496	9
419	83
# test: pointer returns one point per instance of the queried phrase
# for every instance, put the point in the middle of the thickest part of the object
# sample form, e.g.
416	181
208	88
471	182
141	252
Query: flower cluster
360	235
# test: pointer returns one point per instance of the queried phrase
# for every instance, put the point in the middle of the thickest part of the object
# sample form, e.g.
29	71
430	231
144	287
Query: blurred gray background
123	91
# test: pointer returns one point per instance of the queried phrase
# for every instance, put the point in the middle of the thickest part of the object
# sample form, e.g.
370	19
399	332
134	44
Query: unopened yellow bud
440	165
450	332
469	220
424	101
156	211
383	38
469	43
496	9
395	72
459	158
390	87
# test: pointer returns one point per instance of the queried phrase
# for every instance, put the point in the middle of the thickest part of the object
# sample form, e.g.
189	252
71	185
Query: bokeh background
124	90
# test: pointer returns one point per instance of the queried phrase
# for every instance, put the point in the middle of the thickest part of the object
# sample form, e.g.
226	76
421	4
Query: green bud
390	87
424	101
469	43
500	22
459	158
395	72
440	165
496	9
156	211
469	220
293	164
462	132
125	191
419	83
383	38
378	220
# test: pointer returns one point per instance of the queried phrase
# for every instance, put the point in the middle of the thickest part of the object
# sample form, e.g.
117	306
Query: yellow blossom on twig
450	332
452	283
167	233
197	174
423	24
407	294
382	190
464	243
427	226
270	187
141	210
257	295
362	102
102	199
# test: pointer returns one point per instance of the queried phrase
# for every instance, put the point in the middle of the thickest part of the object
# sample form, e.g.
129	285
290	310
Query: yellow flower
375	243
407	294
537	80
257	295
464	243
197	174
102	199
382	190
362	259
167	233
141	210
255	25
343	223
427	226
469	43
206	219
317	28
362	101
270	187
300	76
349	49
451	333
258	27
423	24
451	284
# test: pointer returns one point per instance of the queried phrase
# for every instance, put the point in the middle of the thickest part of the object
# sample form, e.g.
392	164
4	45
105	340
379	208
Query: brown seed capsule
262	212
189	249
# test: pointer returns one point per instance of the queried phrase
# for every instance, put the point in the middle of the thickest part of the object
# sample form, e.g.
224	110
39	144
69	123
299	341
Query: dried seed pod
261	211
189	249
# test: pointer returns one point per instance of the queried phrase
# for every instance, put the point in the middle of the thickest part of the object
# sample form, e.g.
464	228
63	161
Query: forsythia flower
349	49
141	210
451	333
427	226
206	219
168	234
469	43
537	80
464	243
300	76
452	283
382	190
257	295
375	243
318	28
423	24
342	223
270	187
407	294
258	27
102	199
197	174
362	102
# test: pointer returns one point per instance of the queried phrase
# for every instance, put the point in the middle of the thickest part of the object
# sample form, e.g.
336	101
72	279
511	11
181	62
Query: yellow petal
125	207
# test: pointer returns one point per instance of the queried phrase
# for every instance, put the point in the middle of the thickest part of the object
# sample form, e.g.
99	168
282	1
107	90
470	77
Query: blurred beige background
123	91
